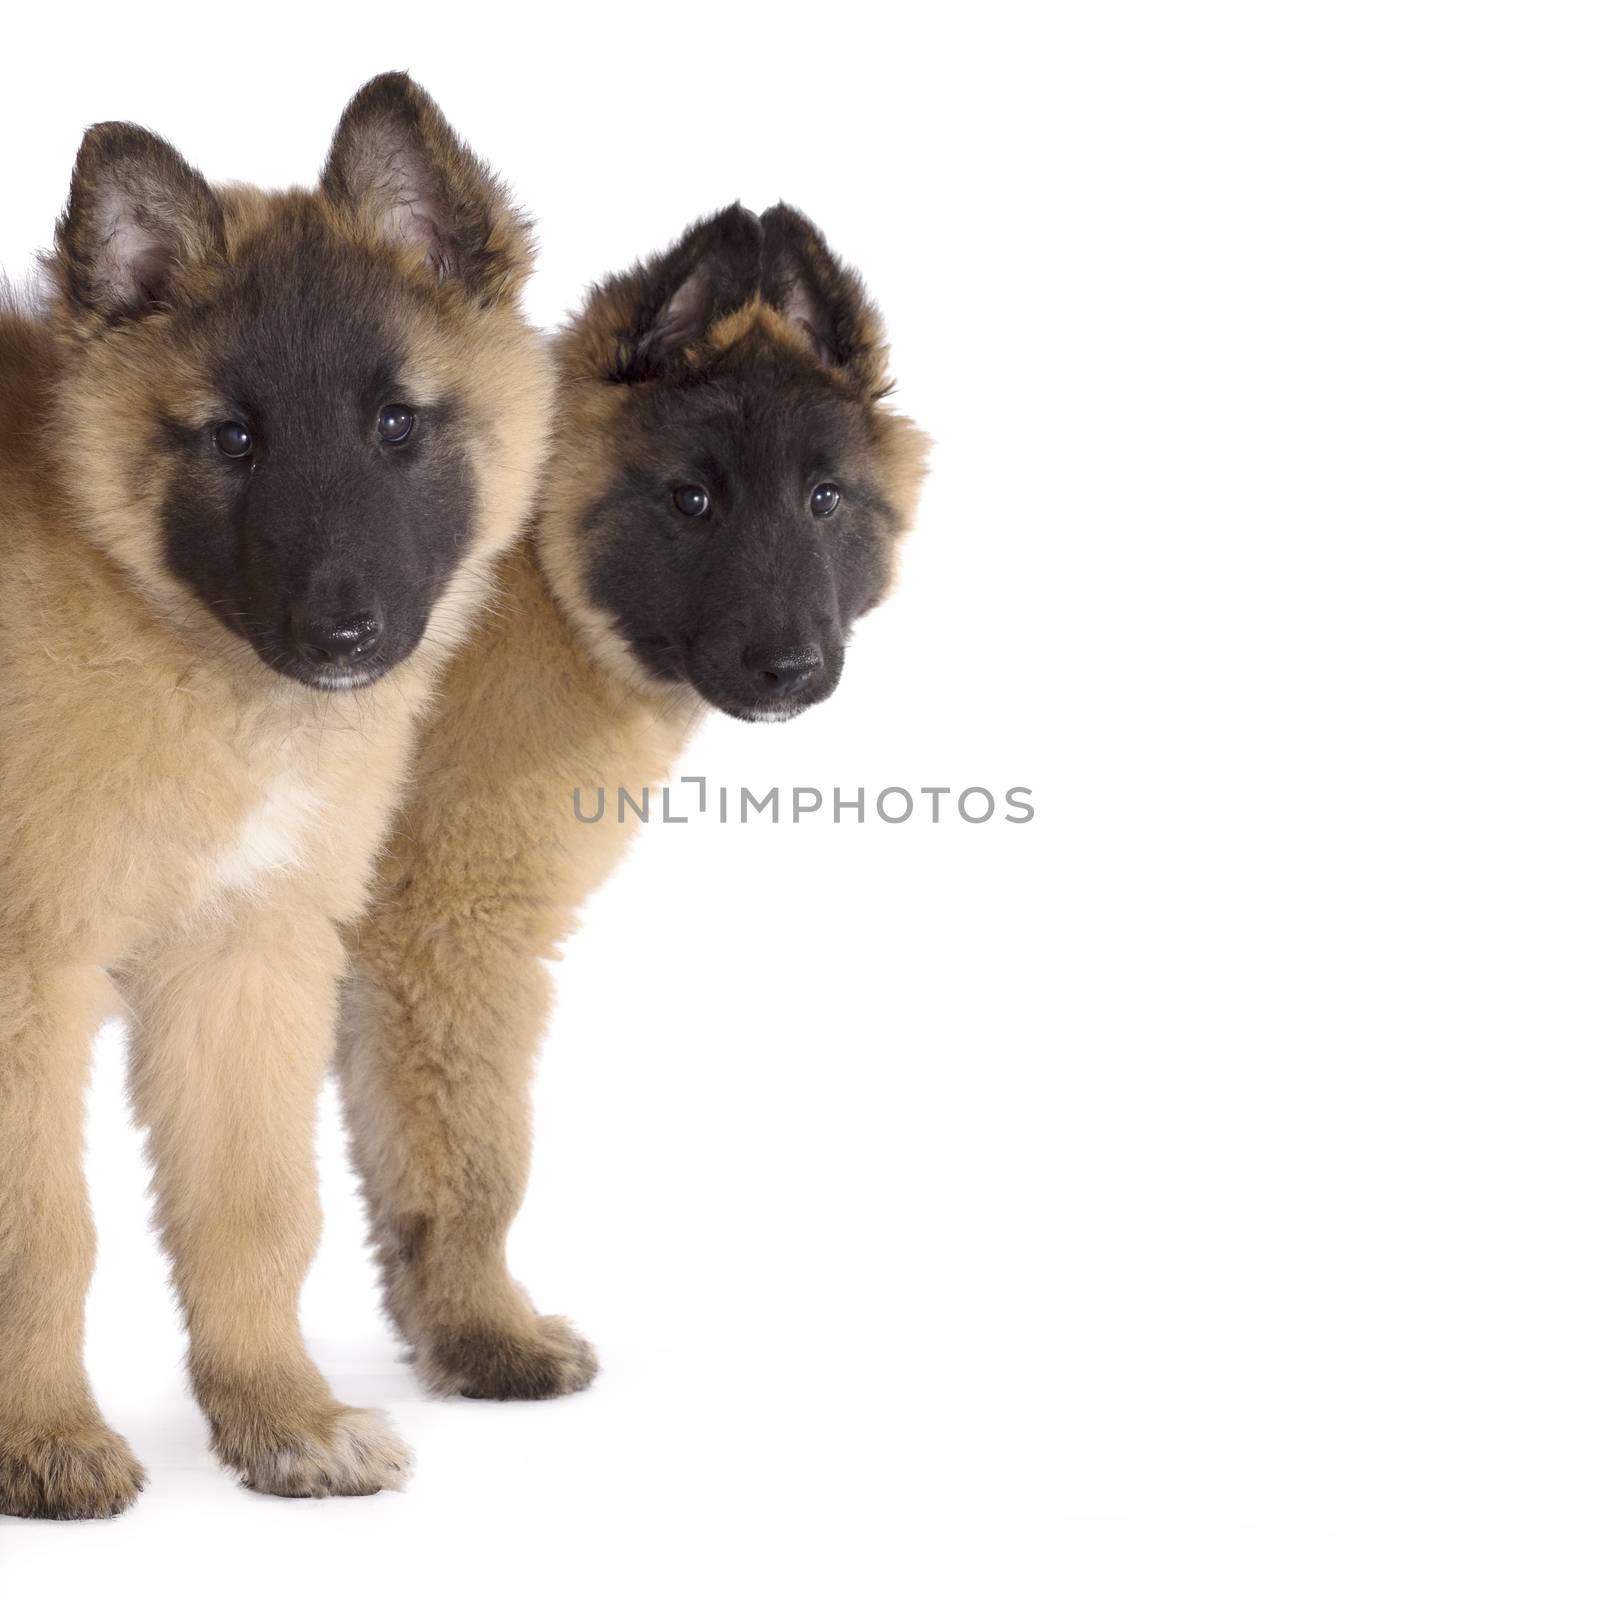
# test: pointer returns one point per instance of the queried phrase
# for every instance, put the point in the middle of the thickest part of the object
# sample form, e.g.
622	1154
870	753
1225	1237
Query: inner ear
137	216
397	163
388	173
800	304
139	259
820	295
665	305
682	320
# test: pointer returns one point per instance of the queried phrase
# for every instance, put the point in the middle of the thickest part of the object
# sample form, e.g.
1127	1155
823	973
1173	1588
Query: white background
1192	1191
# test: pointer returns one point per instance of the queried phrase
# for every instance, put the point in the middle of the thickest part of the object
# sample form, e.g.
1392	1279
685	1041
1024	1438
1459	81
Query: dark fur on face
313	449
756	488
324	521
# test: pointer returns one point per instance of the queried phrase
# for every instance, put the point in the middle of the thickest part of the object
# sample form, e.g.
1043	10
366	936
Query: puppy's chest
281	783
308	813
273	839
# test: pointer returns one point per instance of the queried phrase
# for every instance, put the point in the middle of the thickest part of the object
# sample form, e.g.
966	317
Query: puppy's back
27	361
27	353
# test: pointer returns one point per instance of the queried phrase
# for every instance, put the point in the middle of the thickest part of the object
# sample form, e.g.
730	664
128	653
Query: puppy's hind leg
58	1458
437	1036
232	1035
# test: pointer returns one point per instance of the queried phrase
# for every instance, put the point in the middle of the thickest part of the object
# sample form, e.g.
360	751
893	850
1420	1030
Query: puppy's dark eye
395	424
825	499
234	441
691	500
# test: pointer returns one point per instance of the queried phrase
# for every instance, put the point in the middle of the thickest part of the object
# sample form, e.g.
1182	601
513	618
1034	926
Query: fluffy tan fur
482	879
181	832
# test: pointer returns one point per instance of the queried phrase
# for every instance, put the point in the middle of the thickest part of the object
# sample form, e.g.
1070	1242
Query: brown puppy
259	452
725	498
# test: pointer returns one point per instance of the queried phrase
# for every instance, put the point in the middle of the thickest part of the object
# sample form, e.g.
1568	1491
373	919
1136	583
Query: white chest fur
272	839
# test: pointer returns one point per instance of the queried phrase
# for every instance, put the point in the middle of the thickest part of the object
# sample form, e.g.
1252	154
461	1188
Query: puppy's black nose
782	670
332	639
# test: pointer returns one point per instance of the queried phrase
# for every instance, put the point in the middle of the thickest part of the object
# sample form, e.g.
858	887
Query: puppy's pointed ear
139	218
822	297
398	166
669	302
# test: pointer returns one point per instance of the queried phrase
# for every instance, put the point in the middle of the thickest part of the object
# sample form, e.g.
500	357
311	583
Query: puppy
725	498
259	452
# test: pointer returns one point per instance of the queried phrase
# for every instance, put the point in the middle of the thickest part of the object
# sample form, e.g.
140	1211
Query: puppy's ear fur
807	284
823	298
139	220
397	165
644	319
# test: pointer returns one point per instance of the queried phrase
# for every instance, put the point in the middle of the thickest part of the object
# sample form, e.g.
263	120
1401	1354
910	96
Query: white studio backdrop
1191	1191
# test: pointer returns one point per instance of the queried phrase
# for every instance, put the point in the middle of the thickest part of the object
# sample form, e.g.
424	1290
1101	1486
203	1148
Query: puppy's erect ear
398	165
138	218
822	297
677	296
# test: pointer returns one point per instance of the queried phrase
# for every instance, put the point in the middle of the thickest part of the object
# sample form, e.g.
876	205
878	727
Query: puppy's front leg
232	1034
436	1046
57	1456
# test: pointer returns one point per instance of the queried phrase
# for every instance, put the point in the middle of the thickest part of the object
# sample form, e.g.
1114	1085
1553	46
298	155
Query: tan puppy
725	498
256	457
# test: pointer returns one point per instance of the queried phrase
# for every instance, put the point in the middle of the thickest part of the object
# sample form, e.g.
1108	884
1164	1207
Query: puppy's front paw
83	1471
535	1359
341	1451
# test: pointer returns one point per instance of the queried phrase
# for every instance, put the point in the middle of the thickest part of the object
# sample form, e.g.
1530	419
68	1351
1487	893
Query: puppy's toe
534	1360
347	1452
82	1471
